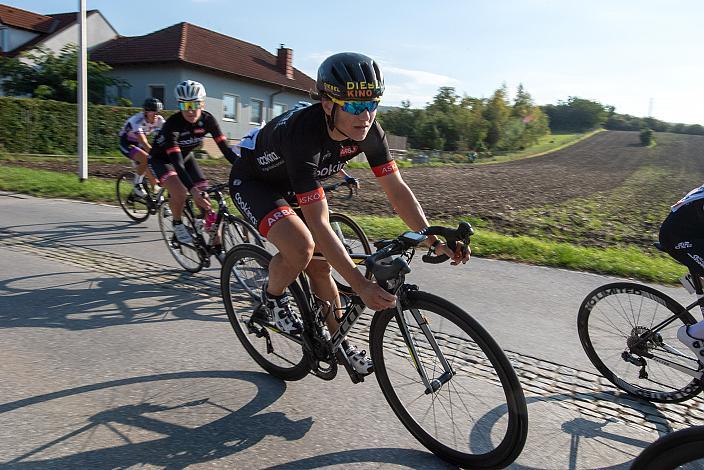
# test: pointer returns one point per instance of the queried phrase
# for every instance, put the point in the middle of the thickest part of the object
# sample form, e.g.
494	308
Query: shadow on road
192	417
61	301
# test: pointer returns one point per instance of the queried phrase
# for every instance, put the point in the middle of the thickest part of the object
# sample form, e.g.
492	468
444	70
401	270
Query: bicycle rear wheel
456	421
136	208
187	255
610	321
355	241
245	271
680	449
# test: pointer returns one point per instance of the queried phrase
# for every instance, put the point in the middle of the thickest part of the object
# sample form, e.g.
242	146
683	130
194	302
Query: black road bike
439	370
629	332
136	207
225	233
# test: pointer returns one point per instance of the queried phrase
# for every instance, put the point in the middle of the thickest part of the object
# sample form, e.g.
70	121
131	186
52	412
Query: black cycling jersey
682	232
292	154
178	138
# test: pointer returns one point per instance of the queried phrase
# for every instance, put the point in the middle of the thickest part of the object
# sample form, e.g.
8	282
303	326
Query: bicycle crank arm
342	359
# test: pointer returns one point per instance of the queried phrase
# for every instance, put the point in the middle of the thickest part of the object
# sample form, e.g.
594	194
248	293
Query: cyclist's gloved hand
352	181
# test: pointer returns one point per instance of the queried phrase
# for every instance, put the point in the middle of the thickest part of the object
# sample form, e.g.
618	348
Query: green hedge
30	125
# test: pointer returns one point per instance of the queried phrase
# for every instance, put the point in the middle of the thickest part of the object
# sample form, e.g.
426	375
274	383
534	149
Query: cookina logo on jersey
329	170
268	158
244	208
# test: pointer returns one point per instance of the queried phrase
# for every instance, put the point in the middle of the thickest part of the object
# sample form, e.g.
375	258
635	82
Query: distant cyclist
171	158
285	161
682	236
134	142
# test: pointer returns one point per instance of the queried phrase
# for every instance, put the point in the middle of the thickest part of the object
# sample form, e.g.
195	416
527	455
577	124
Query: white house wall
216	86
98	31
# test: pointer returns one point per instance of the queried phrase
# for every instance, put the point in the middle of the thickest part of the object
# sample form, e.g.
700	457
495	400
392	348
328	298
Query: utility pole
82	94
650	108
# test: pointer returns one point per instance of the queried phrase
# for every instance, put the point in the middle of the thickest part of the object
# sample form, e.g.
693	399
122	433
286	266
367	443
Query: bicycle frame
354	311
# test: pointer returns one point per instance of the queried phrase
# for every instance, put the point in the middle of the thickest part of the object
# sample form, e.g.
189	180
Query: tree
40	73
497	113
577	114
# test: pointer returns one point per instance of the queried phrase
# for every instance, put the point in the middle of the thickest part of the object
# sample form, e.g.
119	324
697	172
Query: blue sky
624	53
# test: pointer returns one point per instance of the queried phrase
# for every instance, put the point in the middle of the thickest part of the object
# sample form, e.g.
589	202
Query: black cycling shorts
164	170
128	148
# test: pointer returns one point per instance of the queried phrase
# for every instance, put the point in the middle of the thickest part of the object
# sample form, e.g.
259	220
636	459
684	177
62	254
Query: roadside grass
624	261
44	183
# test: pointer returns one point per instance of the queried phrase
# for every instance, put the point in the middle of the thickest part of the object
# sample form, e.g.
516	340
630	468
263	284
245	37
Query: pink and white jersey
137	124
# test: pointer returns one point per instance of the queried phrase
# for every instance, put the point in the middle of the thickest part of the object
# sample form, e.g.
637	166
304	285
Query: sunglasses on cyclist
356	107
190	105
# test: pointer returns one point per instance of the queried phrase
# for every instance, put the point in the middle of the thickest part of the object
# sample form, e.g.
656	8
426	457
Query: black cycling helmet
350	76
152	104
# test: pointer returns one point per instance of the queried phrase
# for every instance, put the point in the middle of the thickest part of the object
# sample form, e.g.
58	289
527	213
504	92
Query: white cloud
417	86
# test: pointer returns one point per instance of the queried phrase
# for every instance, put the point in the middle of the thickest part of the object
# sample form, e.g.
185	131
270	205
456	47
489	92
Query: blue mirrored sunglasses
356	107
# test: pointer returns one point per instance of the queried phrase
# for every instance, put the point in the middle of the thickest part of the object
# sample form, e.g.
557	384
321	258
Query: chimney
284	61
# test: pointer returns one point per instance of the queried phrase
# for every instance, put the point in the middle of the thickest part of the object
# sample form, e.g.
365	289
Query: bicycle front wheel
236	231
245	271
456	421
680	449
610	323
355	241
136	208
186	255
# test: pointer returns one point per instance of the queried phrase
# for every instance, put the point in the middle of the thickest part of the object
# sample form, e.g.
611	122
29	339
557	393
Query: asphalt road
103	366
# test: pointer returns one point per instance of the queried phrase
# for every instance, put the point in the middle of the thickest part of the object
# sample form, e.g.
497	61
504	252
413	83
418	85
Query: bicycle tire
673	450
486	376
187	256
291	363
136	208
236	231
354	240
610	320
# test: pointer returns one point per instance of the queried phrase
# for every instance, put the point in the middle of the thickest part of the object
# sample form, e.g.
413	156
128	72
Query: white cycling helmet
189	90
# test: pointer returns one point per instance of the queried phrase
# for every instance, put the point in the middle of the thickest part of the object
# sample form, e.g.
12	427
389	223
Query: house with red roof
245	83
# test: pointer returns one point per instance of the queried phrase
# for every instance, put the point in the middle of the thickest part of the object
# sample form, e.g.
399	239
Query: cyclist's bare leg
295	244
177	195
140	157
324	287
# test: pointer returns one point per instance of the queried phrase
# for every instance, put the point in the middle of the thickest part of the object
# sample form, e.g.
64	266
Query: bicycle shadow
69	301
226	423
586	435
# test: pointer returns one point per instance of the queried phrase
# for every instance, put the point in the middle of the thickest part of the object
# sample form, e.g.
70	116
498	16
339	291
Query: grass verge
618	261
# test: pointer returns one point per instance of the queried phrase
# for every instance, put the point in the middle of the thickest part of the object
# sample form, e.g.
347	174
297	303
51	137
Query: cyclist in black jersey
285	161
172	152
682	236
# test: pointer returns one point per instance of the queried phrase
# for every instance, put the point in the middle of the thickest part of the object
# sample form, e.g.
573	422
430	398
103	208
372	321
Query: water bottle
210	220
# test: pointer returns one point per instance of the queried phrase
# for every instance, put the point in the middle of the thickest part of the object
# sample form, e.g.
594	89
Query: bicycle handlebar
385	271
332	187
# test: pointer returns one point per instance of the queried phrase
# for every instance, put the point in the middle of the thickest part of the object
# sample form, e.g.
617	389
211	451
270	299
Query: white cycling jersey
137	124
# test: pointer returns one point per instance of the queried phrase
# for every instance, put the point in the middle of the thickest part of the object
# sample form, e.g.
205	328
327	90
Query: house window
230	105
256	115
278	109
156	91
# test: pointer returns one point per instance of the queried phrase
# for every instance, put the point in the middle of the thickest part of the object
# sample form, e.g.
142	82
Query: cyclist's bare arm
316	215
407	207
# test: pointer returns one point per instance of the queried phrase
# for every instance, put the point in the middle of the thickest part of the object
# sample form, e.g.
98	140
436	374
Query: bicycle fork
431	386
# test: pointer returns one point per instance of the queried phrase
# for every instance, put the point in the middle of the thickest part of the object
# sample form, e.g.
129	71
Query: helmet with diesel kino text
349	76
